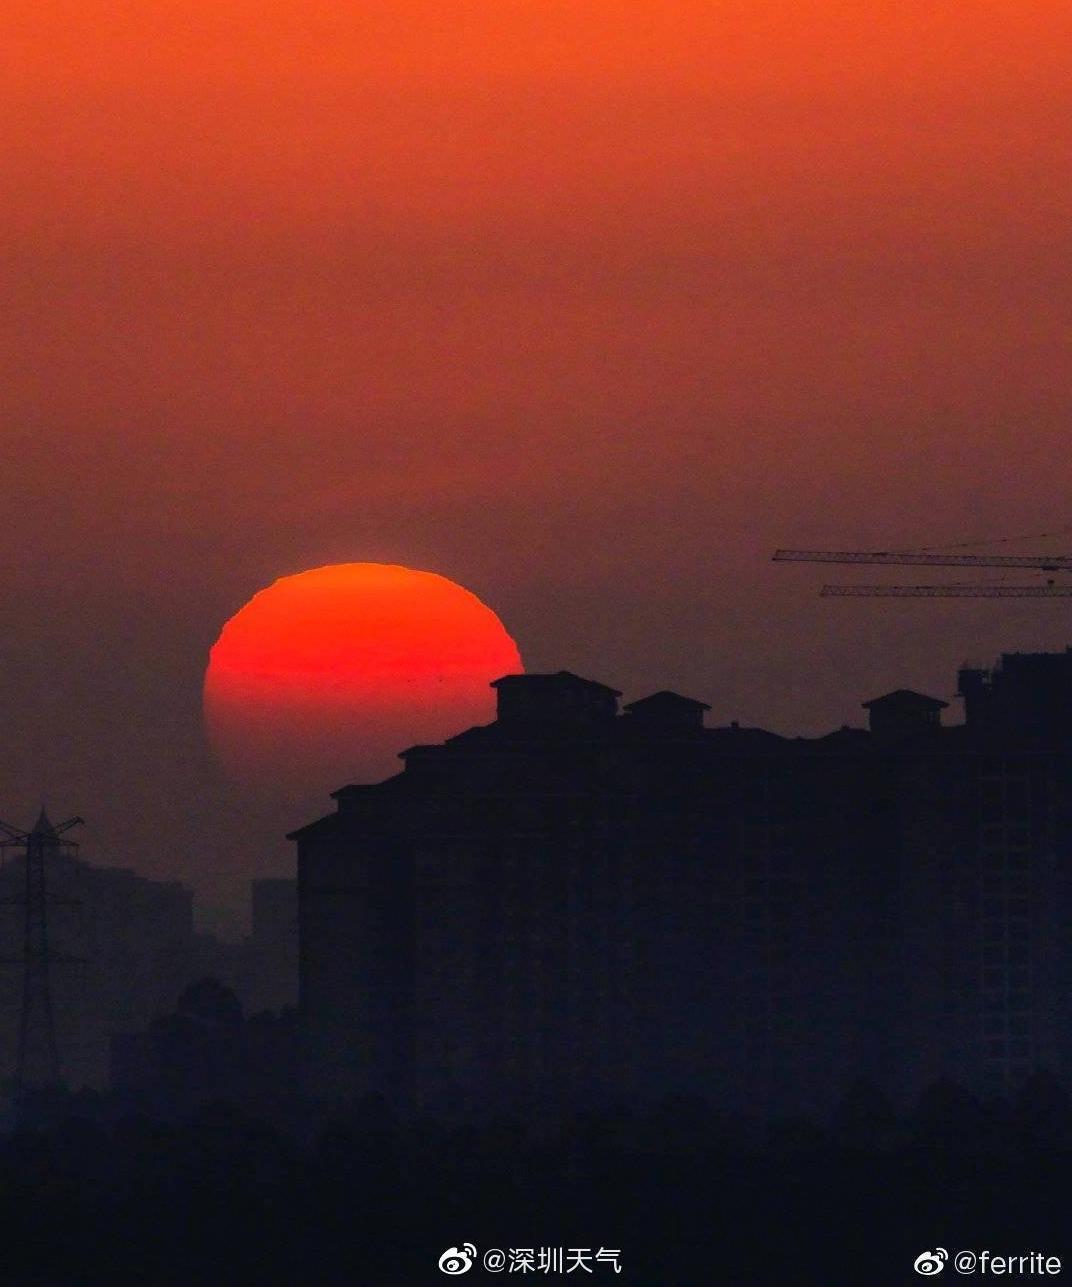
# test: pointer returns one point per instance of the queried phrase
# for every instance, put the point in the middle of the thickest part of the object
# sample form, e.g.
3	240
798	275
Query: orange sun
324	676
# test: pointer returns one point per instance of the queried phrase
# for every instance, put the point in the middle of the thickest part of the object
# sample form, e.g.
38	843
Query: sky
585	304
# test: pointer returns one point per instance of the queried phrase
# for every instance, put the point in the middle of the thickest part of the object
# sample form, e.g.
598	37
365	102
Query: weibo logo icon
457	1260
930	1263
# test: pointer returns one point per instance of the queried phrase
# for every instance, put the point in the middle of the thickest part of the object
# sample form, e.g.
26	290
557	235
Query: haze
586	306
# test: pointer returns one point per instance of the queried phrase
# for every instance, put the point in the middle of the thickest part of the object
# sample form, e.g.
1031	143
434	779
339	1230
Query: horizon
587	309
229	920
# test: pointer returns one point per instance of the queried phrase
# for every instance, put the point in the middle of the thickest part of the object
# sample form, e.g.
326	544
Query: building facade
583	903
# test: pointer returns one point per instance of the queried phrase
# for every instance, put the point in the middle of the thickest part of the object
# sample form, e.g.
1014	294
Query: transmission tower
38	1058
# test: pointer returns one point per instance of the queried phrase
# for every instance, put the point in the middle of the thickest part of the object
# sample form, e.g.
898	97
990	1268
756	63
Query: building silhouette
583	903
205	1050
230	1036
270	979
122	948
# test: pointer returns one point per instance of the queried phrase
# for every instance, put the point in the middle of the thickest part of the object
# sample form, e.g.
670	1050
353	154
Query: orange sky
584	305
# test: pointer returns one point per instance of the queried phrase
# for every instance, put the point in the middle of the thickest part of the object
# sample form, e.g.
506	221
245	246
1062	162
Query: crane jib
1040	562
946	591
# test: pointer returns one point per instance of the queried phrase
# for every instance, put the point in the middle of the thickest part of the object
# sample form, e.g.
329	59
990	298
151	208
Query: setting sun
324	676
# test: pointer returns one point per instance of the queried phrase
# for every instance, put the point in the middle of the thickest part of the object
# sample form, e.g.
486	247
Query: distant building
131	949
262	968
575	905
132	940
232	1034
269	977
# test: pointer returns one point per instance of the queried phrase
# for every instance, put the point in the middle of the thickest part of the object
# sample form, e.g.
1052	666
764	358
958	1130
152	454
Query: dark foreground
92	1196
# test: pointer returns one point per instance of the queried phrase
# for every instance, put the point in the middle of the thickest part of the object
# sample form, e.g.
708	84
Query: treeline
687	1195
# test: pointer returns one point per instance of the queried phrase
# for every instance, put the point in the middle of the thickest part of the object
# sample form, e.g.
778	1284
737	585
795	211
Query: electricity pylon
38	1062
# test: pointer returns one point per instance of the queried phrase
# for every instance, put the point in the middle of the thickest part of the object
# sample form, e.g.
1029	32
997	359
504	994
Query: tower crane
915	558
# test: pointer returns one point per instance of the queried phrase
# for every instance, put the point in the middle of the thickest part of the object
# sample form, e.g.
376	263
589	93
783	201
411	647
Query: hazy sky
585	304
